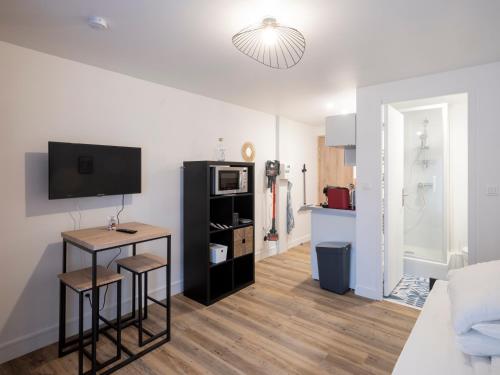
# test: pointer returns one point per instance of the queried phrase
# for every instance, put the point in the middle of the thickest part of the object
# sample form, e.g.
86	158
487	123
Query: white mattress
431	348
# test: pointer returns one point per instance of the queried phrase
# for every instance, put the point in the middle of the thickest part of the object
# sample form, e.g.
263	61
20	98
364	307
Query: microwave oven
228	180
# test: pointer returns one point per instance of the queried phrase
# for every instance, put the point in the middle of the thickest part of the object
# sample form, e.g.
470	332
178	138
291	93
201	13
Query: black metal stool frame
93	334
143	304
80	340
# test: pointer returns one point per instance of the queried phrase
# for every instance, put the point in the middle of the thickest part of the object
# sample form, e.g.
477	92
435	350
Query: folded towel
474	295
477	344
489	329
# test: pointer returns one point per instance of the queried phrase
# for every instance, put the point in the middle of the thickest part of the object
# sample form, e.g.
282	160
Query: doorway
425	194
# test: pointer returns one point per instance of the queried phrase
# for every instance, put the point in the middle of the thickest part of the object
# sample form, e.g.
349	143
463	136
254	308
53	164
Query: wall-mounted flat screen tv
81	170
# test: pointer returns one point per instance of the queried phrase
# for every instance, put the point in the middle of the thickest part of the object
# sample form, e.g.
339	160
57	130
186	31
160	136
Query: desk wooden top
101	238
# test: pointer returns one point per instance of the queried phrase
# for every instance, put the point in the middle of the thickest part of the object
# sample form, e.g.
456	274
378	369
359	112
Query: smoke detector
98	23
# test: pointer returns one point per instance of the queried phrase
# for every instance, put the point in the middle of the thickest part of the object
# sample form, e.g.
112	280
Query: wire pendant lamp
271	44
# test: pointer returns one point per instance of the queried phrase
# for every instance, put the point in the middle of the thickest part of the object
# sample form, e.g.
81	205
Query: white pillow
474	293
491	329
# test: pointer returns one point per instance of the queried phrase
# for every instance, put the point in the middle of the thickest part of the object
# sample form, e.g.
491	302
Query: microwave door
229	181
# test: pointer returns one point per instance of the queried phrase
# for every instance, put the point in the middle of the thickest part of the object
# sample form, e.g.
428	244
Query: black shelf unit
205	282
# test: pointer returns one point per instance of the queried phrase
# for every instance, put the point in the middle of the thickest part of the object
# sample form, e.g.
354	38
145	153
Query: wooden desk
94	241
100	238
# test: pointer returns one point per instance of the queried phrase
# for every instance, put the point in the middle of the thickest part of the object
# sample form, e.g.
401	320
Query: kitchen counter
333	211
328	224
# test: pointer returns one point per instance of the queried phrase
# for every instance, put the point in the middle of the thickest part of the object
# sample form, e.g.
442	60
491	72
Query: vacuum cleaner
272	172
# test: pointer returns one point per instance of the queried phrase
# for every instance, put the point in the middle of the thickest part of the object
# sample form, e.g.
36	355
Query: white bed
431	348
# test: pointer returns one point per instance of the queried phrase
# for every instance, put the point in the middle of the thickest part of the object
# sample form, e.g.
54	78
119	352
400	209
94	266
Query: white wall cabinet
341	130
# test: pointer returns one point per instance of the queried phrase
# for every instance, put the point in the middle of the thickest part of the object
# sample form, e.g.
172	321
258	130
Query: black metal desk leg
62	305
62	317
65	254
95	312
119	319
80	333
134	251
145	295
169	261
98	307
139	287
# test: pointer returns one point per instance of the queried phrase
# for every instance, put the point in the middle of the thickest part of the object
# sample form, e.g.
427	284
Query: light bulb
269	35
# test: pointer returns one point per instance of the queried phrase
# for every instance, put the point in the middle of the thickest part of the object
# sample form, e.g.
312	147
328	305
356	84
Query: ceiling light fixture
271	44
98	23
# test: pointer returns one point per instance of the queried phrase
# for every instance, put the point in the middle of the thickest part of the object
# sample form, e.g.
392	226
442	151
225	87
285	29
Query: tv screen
80	170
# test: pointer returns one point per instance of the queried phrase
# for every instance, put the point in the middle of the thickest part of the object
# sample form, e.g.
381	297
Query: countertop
332	211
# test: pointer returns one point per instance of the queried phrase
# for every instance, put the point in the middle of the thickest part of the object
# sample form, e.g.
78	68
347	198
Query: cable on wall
121	210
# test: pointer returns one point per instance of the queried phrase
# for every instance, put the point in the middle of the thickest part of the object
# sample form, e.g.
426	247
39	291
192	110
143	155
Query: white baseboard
370	293
49	335
299	241
267	252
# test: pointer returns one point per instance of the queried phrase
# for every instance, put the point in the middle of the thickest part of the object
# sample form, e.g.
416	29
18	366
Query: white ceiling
187	44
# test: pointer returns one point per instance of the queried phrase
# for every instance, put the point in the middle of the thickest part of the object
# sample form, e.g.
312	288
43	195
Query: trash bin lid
333	245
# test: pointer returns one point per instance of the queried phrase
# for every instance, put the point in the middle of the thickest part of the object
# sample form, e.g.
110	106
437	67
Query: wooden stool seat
81	280
142	263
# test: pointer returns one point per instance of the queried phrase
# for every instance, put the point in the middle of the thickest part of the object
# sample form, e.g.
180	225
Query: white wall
482	83
46	98
297	145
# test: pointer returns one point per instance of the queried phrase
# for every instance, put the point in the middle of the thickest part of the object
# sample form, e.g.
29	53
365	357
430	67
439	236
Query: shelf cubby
221	211
221	280
244	206
223	237
243	270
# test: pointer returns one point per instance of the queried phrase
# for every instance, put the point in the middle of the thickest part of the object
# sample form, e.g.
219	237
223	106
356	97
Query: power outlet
492	190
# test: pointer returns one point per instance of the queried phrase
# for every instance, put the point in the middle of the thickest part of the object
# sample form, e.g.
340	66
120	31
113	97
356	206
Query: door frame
471	175
385	206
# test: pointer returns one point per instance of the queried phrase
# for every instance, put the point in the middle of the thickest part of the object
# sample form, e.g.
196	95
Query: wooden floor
283	324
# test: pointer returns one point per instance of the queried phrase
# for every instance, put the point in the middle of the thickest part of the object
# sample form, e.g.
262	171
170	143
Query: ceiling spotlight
271	44
98	23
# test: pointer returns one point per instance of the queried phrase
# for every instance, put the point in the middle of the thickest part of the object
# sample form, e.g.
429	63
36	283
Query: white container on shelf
218	253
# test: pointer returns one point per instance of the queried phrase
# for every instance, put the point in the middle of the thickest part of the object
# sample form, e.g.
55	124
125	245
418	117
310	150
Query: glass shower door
425	181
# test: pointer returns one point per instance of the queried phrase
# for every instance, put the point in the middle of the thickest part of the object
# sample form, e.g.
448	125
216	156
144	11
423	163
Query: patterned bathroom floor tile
411	290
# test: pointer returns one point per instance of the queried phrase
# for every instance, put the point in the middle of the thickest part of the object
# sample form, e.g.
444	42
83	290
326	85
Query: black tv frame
53	196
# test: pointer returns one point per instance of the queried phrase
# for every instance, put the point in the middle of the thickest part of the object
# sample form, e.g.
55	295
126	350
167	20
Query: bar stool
81	281
140	265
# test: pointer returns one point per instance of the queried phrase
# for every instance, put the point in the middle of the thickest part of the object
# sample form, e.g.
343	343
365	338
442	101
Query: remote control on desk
125	230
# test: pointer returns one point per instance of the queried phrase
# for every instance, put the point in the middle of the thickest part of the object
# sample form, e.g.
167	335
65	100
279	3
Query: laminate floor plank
283	324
